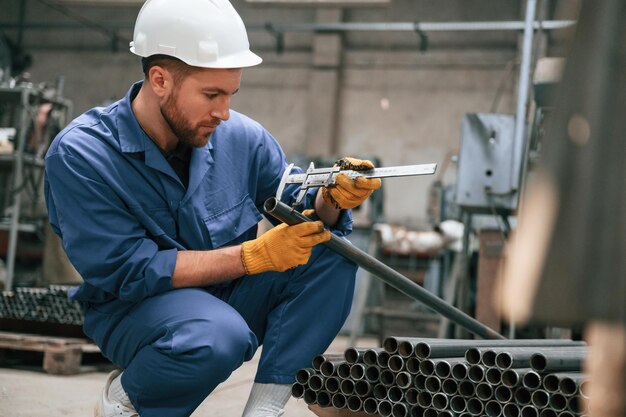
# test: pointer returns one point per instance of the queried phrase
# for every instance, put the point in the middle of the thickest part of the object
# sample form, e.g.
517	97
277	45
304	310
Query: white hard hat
201	33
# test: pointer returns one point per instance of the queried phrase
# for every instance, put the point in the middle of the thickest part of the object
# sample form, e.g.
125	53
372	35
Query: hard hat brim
243	59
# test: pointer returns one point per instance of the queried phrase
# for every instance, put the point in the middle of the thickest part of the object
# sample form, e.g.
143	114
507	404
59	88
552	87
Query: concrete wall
428	93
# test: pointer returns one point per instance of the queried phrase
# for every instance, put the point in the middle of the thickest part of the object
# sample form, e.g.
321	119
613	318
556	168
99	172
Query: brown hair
175	66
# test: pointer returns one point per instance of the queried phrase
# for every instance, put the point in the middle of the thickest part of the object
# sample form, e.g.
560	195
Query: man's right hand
282	247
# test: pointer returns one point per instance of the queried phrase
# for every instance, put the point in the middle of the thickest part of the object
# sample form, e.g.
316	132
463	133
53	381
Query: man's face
199	103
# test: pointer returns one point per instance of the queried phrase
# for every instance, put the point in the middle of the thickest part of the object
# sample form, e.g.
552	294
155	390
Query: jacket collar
133	139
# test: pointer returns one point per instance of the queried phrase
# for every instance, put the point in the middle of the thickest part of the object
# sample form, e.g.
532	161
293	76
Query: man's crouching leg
309	305
175	348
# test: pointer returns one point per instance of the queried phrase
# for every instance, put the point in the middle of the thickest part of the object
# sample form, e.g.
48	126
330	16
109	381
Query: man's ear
160	80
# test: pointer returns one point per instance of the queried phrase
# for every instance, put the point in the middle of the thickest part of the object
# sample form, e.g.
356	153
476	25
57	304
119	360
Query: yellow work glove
282	247
349	193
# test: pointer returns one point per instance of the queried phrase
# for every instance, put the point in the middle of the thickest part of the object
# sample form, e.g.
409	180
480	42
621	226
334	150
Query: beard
184	130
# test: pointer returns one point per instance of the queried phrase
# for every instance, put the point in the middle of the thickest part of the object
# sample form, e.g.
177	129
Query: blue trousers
176	347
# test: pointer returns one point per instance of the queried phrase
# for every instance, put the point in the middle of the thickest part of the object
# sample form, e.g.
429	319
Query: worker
157	198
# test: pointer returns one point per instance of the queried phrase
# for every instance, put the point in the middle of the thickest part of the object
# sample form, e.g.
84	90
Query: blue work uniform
123	214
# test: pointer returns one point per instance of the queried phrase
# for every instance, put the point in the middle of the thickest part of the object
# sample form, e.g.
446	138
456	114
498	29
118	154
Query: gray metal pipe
354	403
475	407
370	356
363	388
449	386
343	370
558	402
288	215
427	367
338	400
476	373
430	412
522	396
417	411
458	404
370	406
390	344
399	410
459	371
503	394
310	396
316	382
395	394
403	380
523	91
384	408
413	365
372	374
442	348
354	355
489	358
493	376
467	388
493	409
440	401
357	371
346	387
433	384
324	398
573	404
419	382
297	390
425	399
303	375
547	412
561	361
529	411
510	410
382	359
484	391
411	396
531	380
332	384
406	348
540	398
387	378
380	392
570	383
396	363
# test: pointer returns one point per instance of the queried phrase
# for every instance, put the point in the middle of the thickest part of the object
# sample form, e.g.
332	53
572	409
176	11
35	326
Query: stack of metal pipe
49	305
420	377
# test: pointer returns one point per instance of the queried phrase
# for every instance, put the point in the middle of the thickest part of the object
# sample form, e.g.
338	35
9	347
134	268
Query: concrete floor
33	393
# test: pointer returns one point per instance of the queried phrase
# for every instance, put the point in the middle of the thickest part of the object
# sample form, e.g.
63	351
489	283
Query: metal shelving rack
25	99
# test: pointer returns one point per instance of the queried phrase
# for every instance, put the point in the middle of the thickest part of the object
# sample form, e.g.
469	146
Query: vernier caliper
323	177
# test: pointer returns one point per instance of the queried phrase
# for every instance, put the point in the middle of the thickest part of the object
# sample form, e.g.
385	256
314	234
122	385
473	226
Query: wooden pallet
61	355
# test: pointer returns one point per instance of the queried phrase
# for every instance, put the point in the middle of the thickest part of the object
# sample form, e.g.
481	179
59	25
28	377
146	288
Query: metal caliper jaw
312	178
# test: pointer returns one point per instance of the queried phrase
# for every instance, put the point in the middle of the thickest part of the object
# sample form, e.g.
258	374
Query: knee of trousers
210	349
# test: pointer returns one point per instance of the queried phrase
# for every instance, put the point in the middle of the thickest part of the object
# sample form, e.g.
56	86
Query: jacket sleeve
101	236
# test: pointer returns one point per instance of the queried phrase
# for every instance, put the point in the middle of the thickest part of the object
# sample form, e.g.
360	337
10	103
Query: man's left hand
349	193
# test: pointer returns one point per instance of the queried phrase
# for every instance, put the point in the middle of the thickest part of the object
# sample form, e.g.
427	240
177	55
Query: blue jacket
122	213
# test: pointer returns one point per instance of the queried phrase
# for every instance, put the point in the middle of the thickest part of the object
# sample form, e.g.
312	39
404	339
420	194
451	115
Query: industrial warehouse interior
265	208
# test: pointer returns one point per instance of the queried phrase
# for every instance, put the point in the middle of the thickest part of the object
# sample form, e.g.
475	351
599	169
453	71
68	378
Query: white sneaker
108	408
